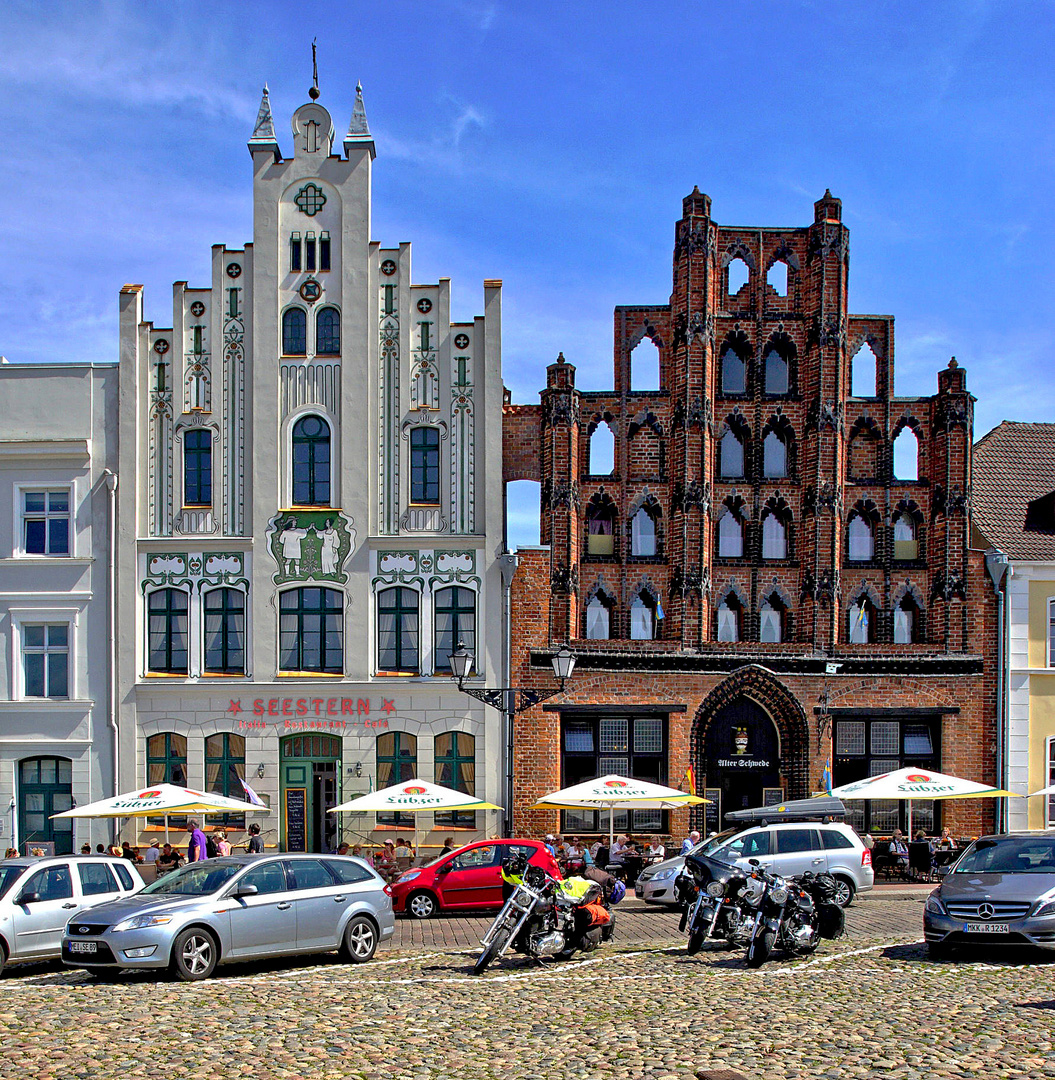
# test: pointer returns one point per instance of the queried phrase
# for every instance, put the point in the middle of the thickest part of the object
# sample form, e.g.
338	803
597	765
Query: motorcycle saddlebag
599	914
831	920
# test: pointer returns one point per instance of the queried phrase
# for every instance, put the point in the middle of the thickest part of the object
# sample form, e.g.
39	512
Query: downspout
507	563
111	588
999	568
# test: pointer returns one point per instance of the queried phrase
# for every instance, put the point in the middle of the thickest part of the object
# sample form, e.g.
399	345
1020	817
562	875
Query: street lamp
509	698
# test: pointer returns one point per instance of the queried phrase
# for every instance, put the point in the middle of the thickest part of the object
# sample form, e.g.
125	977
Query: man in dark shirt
168	859
256	845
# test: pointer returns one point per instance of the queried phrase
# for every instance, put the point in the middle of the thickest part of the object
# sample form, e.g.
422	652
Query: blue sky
550	145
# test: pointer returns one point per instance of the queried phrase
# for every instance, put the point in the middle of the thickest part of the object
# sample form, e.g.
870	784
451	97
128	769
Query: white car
38	896
787	848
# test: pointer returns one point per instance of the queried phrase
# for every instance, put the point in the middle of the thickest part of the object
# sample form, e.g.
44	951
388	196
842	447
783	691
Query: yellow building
1014	519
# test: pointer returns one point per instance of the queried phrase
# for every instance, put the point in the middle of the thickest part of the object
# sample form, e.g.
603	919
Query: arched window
455	622
774	538
294	332
311	462
863	367
738	276
397	762
730	456
167	764
776	373
167	631
454	756
601	449
642	618
311	631
777	278
906	546
862	543
600	528
906	455
734	372
730	536
729	613
861	621
328	332
225	632
644	365
771	620
906	622
224	773
599	617
774	456
397	630
642	533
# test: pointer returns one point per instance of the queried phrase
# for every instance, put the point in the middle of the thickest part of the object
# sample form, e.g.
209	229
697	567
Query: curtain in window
597	620
728	624
774	538
642	534
731	456
769	623
859	623
730	536
642	620
860	535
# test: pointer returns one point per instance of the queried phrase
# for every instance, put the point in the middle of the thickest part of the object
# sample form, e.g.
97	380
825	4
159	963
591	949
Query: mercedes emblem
986	911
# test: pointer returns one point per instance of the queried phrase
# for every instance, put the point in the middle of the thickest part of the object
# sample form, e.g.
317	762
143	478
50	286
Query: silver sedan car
236	908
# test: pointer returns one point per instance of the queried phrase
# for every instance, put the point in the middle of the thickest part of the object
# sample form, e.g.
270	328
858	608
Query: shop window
328	332
1049	800
776	373
455	622
424	465
455	758
729	615
397	630
730	536
224	773
197	467
311	462
45	660
643	612
861	541
625	746
311	631
46	522
167	759
167	631
730	456
599	617
397	762
774	538
734	372
45	788
224	632
643	533
295	332
774	457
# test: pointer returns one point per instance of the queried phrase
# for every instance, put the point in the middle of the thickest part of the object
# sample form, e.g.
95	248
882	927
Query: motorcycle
544	917
711	895
790	914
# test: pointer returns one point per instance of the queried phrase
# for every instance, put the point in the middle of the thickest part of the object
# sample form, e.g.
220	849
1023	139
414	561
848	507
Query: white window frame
18	518
1049	633
22	617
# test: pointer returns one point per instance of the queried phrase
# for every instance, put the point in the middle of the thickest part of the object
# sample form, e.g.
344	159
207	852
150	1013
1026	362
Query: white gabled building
310	512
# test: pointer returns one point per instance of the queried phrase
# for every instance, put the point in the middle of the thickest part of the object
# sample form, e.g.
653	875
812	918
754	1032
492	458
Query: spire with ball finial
313	93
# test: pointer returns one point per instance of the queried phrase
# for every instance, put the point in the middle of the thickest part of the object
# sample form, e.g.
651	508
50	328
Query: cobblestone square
871	1004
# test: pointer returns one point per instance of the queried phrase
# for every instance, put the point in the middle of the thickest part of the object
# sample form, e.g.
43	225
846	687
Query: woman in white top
656	850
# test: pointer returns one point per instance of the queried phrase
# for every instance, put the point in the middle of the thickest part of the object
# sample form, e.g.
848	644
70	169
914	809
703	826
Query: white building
310	513
58	451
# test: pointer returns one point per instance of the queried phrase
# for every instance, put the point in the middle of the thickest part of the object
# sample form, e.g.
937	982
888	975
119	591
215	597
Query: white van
38	897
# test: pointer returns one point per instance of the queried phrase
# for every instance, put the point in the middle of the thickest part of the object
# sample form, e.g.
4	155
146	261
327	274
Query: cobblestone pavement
869	1005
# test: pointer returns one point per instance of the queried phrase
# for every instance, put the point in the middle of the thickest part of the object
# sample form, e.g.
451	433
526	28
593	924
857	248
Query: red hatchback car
470	877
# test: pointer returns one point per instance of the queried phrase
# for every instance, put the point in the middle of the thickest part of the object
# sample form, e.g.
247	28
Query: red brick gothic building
751	589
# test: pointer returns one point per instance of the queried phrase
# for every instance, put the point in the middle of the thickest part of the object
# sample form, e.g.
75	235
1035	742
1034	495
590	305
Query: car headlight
1045	909
663	875
137	922
934	904
409	875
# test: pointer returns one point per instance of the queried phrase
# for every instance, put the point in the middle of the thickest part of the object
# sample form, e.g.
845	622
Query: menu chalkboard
296	819
713	816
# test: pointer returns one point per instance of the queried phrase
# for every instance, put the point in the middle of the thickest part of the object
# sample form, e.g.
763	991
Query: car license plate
985	928
83	947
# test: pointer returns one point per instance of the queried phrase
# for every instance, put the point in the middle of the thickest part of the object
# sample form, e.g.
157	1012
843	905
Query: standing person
223	845
255	845
690	842
196	850
448	845
100	849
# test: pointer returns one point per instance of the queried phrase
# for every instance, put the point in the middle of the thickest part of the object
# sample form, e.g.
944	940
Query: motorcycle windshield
708	868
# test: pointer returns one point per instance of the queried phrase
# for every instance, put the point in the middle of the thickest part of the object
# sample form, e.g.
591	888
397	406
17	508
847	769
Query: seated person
385	861
899	850
169	859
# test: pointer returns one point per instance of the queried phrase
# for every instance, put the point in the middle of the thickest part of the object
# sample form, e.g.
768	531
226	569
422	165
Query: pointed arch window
295	332
906	546
776	373
730	536
730	456
774	538
643	617
771	620
600	529
774	457
328	332
734	372
729	615
311	462
906	622
862	622
861	540
643	533
598	617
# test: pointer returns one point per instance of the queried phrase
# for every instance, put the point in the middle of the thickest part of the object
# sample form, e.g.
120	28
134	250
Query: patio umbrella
414	797
908	784
617	793
162	799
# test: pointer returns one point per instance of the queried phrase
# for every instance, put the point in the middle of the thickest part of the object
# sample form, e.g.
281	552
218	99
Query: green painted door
45	787
310	778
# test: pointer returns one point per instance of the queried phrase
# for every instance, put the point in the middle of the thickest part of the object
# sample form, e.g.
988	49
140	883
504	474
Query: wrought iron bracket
502	698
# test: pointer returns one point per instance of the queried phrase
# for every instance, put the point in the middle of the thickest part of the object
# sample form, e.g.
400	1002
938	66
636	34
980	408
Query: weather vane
313	93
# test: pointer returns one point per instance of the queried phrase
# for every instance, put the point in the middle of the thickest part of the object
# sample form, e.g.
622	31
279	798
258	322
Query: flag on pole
250	794
690	777
659	608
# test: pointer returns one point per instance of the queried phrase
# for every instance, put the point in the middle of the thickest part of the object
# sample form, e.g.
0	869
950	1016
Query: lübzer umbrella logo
615	783
149	794
917	778
412	790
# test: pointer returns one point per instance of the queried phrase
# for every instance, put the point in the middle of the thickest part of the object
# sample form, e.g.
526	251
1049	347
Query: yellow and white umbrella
617	793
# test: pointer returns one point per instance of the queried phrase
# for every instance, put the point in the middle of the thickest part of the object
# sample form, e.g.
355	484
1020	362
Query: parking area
869	1005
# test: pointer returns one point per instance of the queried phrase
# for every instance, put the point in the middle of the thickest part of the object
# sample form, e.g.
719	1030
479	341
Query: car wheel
360	940
194	954
422	905
845	891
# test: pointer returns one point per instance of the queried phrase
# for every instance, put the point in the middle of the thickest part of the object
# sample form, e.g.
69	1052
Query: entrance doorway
741	756
311	767
45	787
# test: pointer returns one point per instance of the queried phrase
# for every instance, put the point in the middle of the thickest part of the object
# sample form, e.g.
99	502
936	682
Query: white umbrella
414	797
913	783
617	793
162	799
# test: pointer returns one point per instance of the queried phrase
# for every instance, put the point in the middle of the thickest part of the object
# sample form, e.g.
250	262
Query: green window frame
167	764
455	768
295	332
424	465
167	631
225	632
197	468
311	462
397	630
397	762
328	332
224	773
311	631
455	621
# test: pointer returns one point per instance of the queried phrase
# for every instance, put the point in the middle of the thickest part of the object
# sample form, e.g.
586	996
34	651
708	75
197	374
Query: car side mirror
245	890
444	868
28	898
